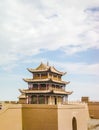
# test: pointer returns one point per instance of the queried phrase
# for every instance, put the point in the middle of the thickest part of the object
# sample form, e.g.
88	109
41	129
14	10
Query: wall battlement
93	107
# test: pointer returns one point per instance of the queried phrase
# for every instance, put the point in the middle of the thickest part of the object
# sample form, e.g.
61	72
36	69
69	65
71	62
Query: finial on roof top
41	62
47	63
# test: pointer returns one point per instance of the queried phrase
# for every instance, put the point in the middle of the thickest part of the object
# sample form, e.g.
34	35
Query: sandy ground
93	124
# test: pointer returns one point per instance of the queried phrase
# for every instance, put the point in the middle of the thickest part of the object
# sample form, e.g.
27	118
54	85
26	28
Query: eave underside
45	92
45	80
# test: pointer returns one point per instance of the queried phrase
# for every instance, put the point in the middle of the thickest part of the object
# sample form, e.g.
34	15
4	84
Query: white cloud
79	68
29	26
82	88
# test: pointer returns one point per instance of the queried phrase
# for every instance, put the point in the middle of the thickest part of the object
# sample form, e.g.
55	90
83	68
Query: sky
64	33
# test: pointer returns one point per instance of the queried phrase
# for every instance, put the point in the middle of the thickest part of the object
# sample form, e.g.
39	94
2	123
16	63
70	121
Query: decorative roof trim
62	92
43	68
54	70
45	80
46	91
22	96
36	91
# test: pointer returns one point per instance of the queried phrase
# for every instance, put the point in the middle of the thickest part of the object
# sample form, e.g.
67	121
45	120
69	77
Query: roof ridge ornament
47	63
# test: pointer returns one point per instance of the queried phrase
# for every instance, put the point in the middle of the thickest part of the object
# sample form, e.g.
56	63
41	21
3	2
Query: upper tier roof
43	67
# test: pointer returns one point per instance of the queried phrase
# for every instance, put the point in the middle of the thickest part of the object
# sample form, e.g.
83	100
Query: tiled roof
35	91
45	80
62	92
22	96
43	67
45	92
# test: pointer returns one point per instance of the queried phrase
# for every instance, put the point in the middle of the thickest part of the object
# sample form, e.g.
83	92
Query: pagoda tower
45	87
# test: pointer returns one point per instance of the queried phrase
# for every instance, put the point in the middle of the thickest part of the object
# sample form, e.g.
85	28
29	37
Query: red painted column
27	100
39	86
46	86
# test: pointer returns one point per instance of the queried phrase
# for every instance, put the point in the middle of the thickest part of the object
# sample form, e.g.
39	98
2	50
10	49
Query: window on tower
44	75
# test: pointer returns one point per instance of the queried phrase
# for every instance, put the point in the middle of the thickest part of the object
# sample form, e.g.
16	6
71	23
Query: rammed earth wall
43	117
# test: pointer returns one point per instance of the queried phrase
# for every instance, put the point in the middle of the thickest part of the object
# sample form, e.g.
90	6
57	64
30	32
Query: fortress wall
94	109
66	113
92	106
55	117
39	117
43	117
10	117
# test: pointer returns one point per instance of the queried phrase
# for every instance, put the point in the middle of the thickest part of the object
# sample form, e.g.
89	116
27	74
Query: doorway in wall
74	124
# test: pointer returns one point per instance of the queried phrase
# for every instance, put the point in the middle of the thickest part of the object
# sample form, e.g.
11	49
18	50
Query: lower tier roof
27	91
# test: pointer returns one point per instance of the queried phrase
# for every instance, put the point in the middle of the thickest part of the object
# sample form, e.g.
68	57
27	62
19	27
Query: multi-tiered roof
46	82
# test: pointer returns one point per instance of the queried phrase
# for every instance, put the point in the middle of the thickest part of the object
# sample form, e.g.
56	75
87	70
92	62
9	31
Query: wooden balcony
47	88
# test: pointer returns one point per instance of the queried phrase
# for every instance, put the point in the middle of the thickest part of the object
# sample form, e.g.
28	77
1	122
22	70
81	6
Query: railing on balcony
47	88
